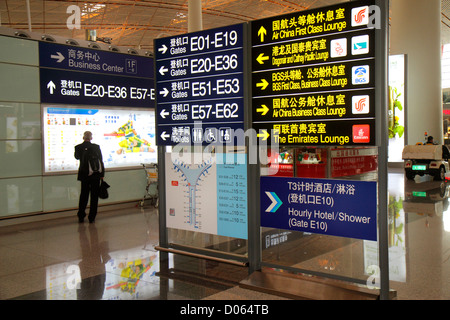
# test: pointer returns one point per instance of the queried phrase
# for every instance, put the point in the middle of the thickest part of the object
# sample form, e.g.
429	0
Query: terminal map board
126	136
208	196
314	76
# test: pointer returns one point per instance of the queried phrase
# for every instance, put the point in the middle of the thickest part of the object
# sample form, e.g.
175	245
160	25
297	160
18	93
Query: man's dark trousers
89	185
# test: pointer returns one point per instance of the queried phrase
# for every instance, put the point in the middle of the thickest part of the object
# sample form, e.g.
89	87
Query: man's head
87	136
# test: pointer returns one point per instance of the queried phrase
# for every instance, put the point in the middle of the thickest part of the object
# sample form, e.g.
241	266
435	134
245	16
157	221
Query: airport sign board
81	88
200	86
59	56
87	76
341	208
313	76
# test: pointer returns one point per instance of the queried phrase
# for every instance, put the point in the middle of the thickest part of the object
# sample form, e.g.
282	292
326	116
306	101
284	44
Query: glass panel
20	158
279	163
20	120
320	253
207	241
19	51
207	192
62	192
20	195
125	185
354	163
311	162
19	83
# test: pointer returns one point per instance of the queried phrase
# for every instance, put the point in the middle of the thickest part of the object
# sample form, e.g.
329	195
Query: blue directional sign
59	56
86	76
213	40
210	63
200	86
83	88
211	88
332	207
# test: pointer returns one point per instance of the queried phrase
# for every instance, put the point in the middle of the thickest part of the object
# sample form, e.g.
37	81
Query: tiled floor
115	257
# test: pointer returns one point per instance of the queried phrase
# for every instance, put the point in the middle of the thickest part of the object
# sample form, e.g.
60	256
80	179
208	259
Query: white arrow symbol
164	136
276	202
163	70
58	56
51	86
165	92
163	49
164	113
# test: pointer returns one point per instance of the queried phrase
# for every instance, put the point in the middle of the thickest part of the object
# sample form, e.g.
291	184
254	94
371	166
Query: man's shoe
81	218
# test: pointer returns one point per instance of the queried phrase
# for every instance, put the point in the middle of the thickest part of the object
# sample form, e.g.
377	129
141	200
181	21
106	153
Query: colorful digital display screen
126	137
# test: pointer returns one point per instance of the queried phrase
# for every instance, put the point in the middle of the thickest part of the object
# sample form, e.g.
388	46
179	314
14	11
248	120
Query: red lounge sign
361	133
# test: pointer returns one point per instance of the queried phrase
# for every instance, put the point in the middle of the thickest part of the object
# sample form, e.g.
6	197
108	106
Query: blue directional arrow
276	202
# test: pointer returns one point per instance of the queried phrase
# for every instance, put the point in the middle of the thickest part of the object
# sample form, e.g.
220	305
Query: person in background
90	172
430	140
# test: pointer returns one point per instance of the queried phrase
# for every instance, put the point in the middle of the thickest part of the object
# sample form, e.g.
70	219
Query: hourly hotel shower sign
333	207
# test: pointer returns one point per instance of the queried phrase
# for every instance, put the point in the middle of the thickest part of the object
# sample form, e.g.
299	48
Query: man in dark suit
90	181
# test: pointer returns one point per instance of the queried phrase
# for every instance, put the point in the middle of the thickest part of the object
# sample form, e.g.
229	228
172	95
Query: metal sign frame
381	142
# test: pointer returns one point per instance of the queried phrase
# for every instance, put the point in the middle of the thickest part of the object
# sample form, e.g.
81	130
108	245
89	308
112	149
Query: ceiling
135	23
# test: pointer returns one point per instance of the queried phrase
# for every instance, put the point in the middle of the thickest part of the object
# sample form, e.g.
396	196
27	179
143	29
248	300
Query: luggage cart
151	171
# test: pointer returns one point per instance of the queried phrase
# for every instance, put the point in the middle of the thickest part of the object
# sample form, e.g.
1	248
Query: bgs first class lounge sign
313	76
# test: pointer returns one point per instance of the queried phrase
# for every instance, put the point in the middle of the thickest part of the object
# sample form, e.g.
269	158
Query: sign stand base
300	287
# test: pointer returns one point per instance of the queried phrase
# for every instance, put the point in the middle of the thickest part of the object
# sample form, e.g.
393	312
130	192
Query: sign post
201	99
382	47
319	78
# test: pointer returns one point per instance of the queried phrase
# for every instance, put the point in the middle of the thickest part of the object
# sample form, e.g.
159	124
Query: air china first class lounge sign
313	76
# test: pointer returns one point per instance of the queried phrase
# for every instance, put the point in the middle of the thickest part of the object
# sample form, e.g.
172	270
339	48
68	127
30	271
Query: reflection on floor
115	257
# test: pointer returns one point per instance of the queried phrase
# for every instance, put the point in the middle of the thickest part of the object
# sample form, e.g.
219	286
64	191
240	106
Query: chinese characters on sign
82	76
312	69
200	86
331	207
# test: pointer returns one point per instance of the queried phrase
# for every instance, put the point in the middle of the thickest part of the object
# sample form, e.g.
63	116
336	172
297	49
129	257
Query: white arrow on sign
164	113
163	49
163	70
276	202
58	56
51	86
164	136
165	92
